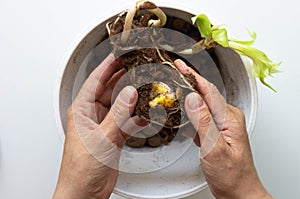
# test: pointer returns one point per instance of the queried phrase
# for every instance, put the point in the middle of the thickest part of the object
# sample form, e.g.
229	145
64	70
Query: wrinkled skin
227	164
94	135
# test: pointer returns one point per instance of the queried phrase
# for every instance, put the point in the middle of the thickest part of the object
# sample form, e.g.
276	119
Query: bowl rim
187	193
74	46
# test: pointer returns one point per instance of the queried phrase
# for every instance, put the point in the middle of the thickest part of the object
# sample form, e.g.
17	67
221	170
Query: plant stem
127	25
162	18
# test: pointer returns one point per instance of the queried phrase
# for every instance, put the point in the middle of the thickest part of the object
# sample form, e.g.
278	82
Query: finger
212	97
95	85
132	126
119	113
102	105
101	112
106	97
202	82
190	132
197	141
201	118
115	78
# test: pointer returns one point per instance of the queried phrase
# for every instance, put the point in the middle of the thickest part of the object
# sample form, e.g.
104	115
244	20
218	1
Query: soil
148	65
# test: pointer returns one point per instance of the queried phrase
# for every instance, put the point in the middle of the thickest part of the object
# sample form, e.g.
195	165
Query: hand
226	157
94	137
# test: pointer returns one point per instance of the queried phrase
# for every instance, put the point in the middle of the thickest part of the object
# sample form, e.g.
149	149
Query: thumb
120	111
202	120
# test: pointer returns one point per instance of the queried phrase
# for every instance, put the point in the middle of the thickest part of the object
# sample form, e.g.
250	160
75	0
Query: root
183	86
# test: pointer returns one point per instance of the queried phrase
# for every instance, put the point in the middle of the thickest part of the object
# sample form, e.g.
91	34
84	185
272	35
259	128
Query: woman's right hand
226	157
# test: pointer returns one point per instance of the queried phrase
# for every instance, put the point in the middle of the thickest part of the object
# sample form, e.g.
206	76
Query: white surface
36	37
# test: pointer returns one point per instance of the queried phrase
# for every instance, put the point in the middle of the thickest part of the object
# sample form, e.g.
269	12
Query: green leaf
262	80
249	42
203	24
217	27
220	36
262	64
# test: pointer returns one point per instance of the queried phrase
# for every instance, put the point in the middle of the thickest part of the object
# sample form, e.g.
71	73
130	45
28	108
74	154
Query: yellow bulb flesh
165	98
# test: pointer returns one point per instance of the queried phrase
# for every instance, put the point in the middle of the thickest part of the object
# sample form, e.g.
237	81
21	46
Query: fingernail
194	101
128	95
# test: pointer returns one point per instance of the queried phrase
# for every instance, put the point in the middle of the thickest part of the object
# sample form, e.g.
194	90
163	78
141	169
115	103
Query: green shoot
262	65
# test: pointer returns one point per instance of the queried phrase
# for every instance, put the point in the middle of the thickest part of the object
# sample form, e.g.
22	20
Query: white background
36	38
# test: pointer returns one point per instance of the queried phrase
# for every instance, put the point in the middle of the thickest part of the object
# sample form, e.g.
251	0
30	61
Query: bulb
165	97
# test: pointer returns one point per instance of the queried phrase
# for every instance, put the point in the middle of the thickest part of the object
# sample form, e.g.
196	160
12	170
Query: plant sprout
214	35
143	5
128	25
